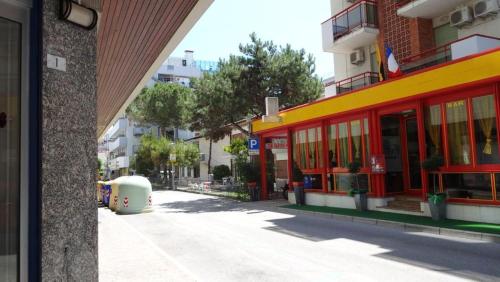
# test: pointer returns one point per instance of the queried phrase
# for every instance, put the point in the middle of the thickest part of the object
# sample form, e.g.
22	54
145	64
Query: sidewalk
126	255
406	223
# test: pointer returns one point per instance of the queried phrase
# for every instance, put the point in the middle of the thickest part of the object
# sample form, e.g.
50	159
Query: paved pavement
192	237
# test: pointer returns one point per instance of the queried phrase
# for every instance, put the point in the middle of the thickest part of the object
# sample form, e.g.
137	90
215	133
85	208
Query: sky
227	23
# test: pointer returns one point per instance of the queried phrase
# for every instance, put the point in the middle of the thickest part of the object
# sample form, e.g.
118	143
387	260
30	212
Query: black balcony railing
357	82
432	57
360	14
401	3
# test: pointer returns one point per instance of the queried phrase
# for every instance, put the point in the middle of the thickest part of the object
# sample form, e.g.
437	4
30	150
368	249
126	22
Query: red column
375	138
421	147
262	155
290	156
324	170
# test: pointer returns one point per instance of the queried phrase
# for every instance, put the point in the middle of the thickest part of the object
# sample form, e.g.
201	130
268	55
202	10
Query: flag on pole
392	64
381	71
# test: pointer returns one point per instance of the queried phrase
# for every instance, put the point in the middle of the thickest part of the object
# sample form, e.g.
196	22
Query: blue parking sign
253	144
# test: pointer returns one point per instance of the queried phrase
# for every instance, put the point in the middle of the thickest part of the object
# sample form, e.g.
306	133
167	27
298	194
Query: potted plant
360	197
298	185
437	203
249	173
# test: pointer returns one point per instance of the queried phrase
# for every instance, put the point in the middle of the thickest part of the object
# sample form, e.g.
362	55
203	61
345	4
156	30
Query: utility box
115	187
134	195
100	186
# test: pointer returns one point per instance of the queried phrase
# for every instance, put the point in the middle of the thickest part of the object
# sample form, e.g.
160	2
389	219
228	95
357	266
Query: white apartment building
122	140
410	27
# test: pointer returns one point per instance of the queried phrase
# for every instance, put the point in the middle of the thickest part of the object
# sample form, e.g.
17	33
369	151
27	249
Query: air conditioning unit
357	57
203	157
485	8
461	16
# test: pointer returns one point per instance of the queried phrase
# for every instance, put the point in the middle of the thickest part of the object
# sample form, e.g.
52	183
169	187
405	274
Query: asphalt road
191	237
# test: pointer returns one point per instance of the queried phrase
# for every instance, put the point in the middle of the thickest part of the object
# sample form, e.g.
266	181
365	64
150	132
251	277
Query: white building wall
487	26
219	156
342	64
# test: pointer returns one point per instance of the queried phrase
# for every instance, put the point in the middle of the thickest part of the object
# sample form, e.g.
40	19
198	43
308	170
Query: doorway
400	146
10	133
276	157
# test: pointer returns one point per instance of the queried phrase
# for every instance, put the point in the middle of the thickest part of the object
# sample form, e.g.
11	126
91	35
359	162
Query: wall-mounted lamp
77	14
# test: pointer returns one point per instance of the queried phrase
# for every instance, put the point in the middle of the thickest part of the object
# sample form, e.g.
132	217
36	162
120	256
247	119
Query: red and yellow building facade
390	127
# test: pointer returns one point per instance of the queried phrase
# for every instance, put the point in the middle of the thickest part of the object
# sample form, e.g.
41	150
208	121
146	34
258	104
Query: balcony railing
360	14
429	58
141	130
356	82
459	48
401	3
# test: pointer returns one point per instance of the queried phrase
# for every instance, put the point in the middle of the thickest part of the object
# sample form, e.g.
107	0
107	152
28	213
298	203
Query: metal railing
432	57
401	3
360	14
356	82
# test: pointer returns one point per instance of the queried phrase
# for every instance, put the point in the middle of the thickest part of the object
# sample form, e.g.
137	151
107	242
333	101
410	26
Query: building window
184	63
485	129
366	140
471	130
165	77
357	154
343	181
433	130
307	148
468	185
348	141
332	145
343	145
458	133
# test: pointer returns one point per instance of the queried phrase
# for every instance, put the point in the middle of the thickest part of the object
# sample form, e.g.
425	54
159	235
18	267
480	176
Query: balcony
141	131
119	162
356	82
120	142
427	9
354	27
469	45
118	129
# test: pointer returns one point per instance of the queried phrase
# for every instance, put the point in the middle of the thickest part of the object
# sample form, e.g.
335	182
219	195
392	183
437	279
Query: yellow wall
469	70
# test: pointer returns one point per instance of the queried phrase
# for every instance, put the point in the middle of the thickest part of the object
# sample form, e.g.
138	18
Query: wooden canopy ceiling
132	36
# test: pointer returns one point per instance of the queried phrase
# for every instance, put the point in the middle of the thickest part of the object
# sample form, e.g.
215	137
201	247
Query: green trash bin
134	195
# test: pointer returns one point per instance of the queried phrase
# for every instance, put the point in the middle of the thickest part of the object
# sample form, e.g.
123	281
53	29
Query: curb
401	226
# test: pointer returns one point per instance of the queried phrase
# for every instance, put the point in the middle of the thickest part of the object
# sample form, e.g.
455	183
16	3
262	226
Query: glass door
391	144
10	118
413	154
276	156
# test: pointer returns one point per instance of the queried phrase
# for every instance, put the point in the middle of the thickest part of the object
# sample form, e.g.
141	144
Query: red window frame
365	163
318	154
468	95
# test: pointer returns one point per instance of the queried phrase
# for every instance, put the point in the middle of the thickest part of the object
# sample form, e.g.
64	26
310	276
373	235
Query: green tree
239	88
143	163
165	105
238	148
187	154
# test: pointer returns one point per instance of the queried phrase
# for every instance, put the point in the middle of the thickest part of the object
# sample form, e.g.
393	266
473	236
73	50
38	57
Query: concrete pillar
68	213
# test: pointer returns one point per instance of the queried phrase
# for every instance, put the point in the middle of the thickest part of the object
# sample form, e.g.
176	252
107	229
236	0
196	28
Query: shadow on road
470	259
203	205
465	258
